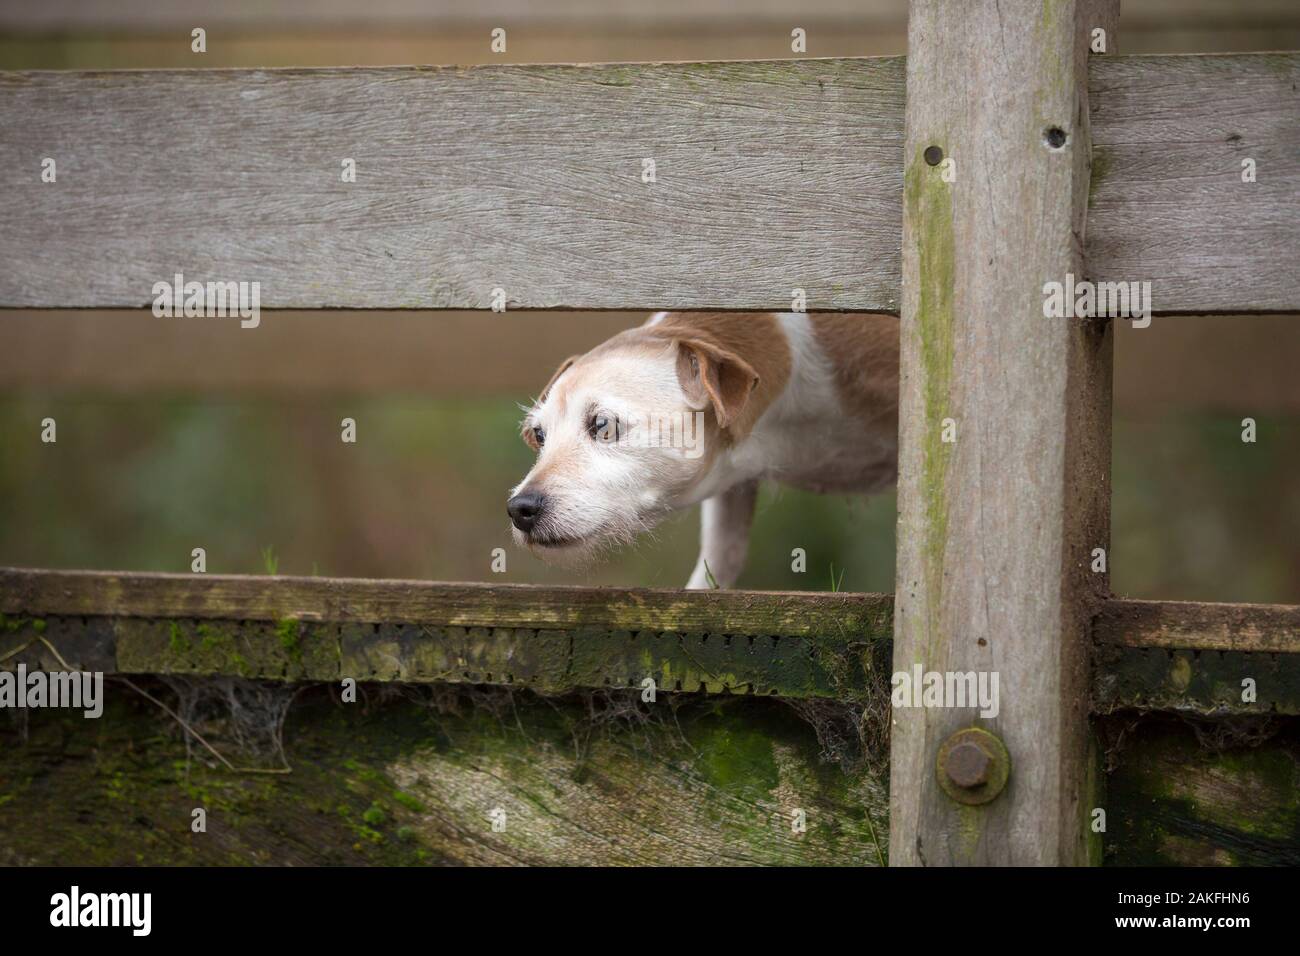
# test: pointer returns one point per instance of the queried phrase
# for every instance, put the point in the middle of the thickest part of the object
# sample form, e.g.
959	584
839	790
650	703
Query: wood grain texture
769	176
412	780
1212	684
1191	658
1188	792
506	618
1168	204
1264	628
25	591
832	666
995	528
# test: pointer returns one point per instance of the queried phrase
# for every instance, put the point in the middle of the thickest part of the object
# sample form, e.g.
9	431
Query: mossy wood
1004	423
712	781
1196	626
401	783
1208	659
1182	792
368	601
797	645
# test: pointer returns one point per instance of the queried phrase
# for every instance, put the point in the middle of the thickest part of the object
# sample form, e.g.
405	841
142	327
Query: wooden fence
949	187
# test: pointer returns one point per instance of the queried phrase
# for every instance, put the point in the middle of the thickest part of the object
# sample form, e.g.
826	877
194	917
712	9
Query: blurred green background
136	482
175	436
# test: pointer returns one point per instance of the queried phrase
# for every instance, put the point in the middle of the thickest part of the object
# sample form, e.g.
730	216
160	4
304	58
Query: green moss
289	634
209	639
736	757
1173	802
177	642
743	765
928	201
408	801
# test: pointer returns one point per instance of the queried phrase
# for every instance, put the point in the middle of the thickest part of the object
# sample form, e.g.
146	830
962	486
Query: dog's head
624	434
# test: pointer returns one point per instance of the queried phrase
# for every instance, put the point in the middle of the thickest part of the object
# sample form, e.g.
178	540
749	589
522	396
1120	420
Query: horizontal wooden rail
550	639
1188	625
1205	659
1149	655
769	176
370	601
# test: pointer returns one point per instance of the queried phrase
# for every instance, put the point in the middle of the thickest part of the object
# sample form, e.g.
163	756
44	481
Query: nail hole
933	155
1054	137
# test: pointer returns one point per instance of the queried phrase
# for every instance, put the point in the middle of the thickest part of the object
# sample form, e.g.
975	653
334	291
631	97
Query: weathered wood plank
1266	628
769	176
254	598
1147	654
596	780
997	519
836	665
1207	659
1183	680
1168	204
553	640
1196	793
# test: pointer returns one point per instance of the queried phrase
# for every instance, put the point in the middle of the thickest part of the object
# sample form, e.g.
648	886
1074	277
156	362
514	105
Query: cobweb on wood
249	714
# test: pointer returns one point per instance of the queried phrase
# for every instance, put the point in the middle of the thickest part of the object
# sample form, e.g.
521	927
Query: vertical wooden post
1005	425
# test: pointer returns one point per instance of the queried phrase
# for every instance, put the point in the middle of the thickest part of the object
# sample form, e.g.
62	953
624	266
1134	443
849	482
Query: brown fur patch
863	350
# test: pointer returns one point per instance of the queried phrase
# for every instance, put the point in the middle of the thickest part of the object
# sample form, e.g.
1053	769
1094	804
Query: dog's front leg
724	535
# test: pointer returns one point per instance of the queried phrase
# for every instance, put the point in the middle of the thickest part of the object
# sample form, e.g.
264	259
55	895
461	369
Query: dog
700	408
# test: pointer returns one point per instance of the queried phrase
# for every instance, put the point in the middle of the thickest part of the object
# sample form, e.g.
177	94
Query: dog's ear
529	438
712	375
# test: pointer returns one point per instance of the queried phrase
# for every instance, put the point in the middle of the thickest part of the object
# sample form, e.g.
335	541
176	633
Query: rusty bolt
968	766
973	766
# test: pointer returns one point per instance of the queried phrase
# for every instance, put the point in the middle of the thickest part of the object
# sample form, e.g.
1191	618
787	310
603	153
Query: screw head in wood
933	155
973	766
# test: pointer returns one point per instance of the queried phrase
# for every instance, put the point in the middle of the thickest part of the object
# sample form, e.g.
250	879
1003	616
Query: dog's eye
539	435
603	428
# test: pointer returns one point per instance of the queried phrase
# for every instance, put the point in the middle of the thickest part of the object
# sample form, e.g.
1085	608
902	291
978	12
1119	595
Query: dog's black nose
524	509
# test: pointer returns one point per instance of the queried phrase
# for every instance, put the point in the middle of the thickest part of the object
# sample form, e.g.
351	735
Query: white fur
599	495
